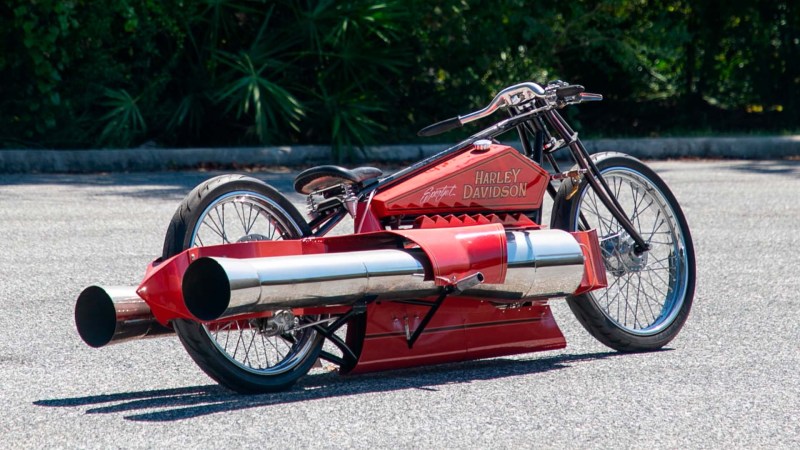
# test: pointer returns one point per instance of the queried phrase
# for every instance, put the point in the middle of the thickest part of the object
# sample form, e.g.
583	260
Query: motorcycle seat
321	177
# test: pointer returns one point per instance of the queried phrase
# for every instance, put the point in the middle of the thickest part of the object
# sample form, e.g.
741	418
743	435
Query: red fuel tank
497	179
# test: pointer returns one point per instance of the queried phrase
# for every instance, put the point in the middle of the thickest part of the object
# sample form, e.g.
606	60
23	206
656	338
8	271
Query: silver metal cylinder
221	287
541	263
107	315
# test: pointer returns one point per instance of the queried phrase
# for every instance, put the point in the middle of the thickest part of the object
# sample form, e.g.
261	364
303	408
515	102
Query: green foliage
62	60
349	73
32	61
123	122
287	71
251	92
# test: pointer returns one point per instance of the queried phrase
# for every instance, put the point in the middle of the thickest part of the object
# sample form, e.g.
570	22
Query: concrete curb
158	159
771	147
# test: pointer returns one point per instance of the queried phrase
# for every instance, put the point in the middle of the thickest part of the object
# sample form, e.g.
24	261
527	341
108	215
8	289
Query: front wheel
649	295
247	356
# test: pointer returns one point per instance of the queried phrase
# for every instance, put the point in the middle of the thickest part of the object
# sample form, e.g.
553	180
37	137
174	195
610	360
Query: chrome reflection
106	315
541	263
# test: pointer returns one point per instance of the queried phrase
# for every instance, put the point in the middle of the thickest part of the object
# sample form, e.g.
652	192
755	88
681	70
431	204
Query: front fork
595	179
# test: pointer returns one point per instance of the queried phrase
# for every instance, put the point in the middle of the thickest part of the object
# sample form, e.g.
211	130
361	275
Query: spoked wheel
248	356
649	295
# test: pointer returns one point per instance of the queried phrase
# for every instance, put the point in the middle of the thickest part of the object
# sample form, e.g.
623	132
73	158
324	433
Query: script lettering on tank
435	194
491	184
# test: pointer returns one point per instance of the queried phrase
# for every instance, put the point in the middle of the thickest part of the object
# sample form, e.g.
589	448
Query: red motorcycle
448	259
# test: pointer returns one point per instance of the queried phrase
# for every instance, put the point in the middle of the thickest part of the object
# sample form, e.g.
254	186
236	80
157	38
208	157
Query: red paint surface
497	179
509	221
594	268
462	329
458	252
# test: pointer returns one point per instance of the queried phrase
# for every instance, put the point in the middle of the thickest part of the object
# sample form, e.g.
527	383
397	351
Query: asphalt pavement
730	379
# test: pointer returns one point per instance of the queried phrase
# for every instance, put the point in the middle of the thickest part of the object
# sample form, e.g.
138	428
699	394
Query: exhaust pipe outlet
111	315
541	263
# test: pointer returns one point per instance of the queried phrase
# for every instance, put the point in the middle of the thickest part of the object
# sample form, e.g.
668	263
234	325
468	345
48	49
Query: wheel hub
281	322
621	257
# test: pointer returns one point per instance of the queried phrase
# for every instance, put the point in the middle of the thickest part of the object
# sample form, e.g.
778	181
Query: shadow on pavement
191	402
168	185
789	168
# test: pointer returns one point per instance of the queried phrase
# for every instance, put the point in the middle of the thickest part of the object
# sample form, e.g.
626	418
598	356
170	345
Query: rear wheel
649	295
247	356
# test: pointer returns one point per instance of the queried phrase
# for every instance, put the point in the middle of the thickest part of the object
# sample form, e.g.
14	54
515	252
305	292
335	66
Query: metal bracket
575	176
349	358
457	287
425	320
577	173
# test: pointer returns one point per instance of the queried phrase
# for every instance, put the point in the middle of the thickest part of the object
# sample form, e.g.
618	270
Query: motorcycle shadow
197	401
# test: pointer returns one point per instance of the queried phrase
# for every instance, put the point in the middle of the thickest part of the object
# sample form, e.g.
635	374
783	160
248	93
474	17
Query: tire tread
586	311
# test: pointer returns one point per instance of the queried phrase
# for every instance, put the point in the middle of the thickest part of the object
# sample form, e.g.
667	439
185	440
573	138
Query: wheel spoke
245	345
250	347
642	287
241	215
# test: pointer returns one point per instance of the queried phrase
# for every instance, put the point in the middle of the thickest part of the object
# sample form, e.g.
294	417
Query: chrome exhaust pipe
111	315
220	287
541	263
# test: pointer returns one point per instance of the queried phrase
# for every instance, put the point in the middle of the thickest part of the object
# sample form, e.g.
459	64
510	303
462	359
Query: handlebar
510	96
557	94
441	127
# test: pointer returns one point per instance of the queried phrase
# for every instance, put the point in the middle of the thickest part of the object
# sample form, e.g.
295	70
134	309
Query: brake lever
565	92
580	98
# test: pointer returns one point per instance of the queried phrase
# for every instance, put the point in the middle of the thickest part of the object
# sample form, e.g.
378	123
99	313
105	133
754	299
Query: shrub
78	73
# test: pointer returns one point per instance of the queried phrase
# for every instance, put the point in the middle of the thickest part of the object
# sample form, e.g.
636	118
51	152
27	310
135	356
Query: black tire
201	220
648	297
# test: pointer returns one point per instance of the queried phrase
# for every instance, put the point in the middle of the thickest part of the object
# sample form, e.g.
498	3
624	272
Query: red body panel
495	179
161	287
462	329
594	269
459	252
